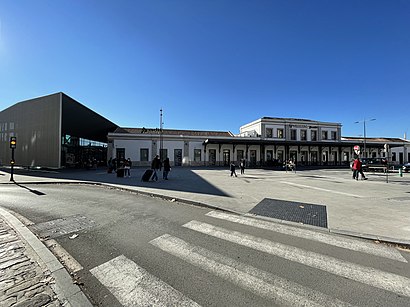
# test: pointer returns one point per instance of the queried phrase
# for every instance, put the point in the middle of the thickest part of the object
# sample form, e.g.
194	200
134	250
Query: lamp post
161	140
364	132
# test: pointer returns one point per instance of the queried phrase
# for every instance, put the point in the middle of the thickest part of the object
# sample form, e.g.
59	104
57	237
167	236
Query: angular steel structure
47	128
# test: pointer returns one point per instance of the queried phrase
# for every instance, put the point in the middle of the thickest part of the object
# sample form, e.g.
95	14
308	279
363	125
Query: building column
320	154
219	155
205	160
275	153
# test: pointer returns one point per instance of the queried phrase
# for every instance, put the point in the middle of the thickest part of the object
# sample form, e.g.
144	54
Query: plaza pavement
371	209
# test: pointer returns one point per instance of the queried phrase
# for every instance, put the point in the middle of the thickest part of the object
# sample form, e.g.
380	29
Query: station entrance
81	153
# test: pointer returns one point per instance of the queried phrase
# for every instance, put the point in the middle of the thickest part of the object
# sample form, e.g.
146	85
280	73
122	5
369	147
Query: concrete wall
36	124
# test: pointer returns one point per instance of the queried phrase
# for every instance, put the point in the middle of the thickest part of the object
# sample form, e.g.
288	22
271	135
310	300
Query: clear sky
214	64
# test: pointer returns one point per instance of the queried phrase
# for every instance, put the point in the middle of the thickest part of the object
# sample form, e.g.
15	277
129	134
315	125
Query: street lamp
364	132
161	139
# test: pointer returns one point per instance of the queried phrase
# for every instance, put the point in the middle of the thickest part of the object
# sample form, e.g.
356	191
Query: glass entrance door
253	157
293	156
177	157
226	157
212	156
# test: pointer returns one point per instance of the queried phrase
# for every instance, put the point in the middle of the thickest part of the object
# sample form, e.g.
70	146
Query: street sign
356	149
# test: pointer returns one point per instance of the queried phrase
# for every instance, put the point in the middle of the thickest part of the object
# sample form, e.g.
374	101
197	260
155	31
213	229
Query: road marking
347	243
134	286
370	276
320	189
247	277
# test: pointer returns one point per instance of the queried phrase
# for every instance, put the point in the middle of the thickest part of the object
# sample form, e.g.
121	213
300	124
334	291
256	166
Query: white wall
132	148
397	150
253	127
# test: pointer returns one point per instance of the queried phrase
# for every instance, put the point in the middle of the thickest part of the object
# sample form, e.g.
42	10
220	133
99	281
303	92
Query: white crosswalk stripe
367	275
134	286
247	277
329	239
320	189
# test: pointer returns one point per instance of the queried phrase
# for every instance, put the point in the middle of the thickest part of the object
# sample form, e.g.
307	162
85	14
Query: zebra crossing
132	285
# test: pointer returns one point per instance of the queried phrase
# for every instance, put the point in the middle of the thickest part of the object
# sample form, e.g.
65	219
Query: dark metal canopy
80	121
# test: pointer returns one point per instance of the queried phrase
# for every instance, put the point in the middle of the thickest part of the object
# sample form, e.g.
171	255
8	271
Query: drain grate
310	214
63	226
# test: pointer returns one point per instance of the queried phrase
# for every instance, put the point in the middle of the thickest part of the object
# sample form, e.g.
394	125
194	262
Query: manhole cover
63	226
292	211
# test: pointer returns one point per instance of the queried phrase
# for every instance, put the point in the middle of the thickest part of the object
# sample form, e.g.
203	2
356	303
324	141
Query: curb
68	293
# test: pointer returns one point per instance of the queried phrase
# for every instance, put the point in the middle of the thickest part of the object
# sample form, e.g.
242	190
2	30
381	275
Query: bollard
400	171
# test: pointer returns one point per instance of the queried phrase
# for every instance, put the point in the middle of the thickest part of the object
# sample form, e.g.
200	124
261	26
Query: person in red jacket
357	168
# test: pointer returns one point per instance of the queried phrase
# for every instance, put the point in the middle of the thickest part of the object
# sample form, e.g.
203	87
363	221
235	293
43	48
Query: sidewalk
30	274
24	282
371	209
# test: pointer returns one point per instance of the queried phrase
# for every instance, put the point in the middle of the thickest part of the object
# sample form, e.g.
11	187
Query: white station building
264	142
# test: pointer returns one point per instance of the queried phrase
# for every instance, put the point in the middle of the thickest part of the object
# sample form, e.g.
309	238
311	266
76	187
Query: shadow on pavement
30	190
180	179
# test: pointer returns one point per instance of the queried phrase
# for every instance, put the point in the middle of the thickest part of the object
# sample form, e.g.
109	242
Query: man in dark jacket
167	168
156	165
232	168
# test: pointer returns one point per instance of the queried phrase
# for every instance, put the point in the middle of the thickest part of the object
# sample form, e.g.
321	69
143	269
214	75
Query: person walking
232	168
109	166
242	166
156	165
127	167
360	170
357	169
356	164
167	169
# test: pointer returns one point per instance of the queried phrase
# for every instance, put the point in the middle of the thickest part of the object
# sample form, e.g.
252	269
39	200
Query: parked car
374	164
406	167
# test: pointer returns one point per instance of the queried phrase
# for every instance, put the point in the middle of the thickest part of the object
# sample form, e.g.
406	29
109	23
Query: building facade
182	147
265	142
53	131
57	131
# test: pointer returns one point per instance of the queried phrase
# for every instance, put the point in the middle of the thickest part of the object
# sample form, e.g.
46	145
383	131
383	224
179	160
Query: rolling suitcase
147	175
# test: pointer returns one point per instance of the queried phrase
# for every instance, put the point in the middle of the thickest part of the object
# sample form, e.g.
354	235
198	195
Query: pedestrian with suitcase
156	165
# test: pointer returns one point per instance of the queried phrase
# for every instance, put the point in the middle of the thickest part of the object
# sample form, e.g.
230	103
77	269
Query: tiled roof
371	139
292	119
174	132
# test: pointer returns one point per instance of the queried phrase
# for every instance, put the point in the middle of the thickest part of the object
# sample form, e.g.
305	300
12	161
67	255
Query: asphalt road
134	249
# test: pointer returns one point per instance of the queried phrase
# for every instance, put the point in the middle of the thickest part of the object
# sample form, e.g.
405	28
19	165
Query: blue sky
214	65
